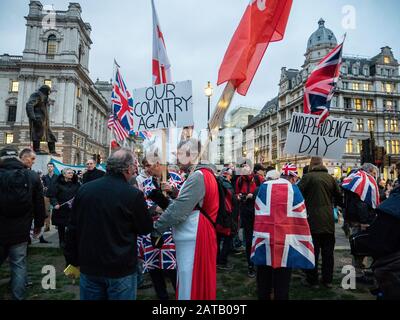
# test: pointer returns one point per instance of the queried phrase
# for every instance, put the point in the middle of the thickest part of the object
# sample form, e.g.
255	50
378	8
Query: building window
356	86
9	138
360	124
386	60
14	86
371	125
358	104
387	143
395	147
370	105
347	103
12	113
48	83
359	146
366	86
78	92
387	125
349	146
366	71
51	46
388	105
388	88
393	126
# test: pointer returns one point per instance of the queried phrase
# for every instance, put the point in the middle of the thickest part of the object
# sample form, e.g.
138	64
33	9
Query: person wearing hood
62	195
92	173
321	193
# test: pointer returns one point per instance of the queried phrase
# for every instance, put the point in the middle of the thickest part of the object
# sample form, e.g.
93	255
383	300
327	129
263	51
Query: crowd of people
182	223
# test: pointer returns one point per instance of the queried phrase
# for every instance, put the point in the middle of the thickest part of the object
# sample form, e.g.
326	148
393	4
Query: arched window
51	46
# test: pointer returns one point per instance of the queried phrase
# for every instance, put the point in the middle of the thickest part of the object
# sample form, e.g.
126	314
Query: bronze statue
39	123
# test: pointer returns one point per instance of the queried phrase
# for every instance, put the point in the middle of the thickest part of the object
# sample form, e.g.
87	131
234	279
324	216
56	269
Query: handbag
359	244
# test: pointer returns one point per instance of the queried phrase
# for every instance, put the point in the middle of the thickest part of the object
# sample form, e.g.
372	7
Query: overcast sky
197	33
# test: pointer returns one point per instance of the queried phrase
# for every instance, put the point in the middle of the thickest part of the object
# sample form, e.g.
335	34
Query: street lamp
208	91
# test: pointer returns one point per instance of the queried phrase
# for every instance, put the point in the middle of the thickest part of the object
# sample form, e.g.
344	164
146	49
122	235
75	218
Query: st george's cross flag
263	22
161	64
364	185
281	236
321	83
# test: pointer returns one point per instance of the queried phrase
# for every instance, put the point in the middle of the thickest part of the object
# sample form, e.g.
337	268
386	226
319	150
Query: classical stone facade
368	92
227	148
56	54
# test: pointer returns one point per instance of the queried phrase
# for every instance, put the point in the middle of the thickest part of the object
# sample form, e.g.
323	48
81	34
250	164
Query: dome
322	36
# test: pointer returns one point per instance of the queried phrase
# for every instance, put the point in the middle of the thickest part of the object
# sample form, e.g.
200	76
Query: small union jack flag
320	86
175	180
122	102
364	185
289	169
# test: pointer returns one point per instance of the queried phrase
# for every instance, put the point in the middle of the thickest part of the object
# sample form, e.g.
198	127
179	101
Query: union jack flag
364	185
154	258
115	125
175	180
122	102
289	170
320	86
281	236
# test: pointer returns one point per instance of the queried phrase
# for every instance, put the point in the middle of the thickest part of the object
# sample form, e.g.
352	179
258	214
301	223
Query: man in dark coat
384	245
92	173
37	109
18	206
321	193
107	215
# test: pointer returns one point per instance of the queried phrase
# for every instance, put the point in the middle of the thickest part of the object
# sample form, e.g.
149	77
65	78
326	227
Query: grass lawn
233	284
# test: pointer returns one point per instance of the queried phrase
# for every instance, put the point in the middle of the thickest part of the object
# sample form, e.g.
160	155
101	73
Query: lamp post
208	91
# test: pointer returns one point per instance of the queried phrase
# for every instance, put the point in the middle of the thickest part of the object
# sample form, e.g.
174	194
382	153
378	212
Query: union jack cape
281	236
364	185
320	86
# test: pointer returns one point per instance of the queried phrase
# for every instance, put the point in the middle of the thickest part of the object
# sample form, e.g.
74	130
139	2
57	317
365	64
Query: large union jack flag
281	236
320	86
364	185
122	102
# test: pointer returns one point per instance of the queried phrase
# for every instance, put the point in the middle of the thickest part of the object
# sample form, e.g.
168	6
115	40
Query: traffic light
379	155
366	152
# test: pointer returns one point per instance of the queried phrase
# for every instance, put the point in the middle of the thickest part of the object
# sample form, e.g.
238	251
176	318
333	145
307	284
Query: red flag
263	22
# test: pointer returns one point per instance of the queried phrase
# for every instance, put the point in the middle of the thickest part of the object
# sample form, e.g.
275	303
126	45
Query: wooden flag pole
218	116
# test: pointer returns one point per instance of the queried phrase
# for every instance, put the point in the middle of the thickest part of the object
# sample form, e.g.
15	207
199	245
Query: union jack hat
289	169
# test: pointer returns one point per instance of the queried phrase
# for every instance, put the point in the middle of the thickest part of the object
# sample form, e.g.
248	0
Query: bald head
121	162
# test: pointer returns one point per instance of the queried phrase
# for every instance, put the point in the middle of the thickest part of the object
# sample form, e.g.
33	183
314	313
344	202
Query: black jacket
92	175
357	211
61	192
16	230
384	232
47	183
107	216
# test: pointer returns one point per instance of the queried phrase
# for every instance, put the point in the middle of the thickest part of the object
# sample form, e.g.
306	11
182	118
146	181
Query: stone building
368	92
56	53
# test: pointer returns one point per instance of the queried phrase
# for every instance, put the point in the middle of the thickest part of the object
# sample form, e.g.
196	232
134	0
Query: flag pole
218	116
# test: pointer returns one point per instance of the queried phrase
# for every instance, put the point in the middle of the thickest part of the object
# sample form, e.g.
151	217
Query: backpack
225	224
15	193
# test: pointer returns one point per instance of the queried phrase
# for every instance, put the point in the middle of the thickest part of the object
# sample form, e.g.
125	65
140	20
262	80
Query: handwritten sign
164	106
328	141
